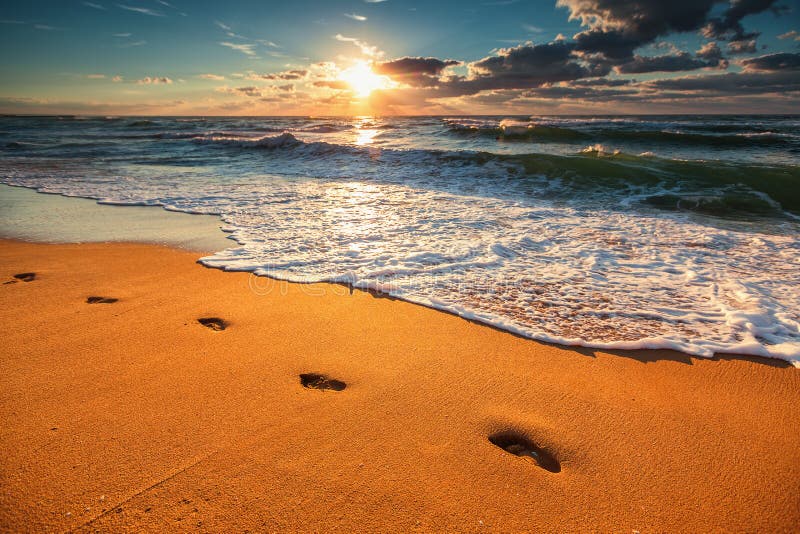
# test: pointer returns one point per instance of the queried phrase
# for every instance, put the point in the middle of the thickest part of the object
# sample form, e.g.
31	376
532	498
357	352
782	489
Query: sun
362	80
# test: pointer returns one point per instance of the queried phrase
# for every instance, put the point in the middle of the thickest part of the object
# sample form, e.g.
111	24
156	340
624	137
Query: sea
612	232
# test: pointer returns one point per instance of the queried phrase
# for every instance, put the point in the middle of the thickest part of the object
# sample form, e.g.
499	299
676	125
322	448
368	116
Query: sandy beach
133	416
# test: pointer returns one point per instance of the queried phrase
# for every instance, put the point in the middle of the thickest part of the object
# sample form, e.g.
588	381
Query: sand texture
124	413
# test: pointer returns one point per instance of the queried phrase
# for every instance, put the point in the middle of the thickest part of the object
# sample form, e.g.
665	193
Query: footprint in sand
101	300
318	381
518	445
214	323
22	277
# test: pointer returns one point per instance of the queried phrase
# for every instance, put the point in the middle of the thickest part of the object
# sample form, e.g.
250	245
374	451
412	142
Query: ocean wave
594	167
283	140
532	132
144	123
325	128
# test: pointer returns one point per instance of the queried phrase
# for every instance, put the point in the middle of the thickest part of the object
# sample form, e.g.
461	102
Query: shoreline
131	415
202	234
31	215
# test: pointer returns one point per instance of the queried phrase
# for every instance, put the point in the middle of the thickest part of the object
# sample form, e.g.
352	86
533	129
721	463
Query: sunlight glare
362	80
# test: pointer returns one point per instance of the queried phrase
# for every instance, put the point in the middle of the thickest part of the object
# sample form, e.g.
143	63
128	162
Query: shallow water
615	232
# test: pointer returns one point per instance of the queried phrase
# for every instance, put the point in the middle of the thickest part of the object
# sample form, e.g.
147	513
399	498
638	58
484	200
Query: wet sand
130	414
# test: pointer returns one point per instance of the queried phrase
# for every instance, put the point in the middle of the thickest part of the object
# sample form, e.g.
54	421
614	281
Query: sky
399	57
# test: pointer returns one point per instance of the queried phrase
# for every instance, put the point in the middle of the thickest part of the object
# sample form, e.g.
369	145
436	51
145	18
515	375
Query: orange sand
133	416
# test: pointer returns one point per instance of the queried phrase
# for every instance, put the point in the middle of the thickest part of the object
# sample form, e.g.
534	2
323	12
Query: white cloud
360	18
154	81
95	6
374	1
790	35
216	77
223	25
44	27
246	49
133	43
95	76
366	49
122	34
142	10
116	79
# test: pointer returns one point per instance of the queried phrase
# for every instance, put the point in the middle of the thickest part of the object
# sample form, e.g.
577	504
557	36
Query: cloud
332	84
132	43
122	35
116	79
530	65
142	10
374	1
95	76
246	49
249	90
710	51
429	66
742	47
416	71
366	49
531	28
784	61
615	28
523	67
604	82
729	25
360	18
147	80
639	21
667	63
93	5
44	27
295	74
790	35
215	77
733	83
223	26
11	22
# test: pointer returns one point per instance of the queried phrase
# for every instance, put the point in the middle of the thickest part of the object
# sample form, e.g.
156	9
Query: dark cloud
666	63
576	93
603	82
729	25
531	65
777	81
617	27
611	45
429	66
785	61
415	71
